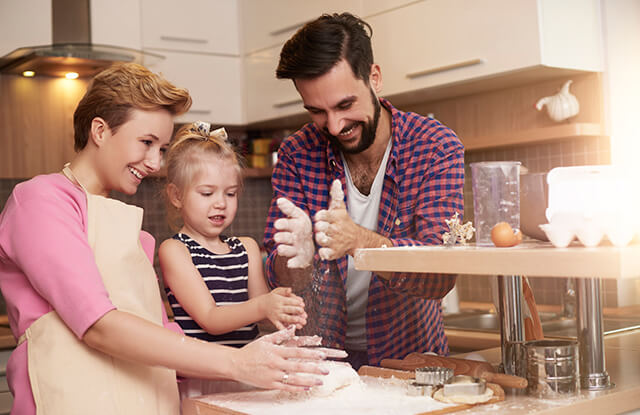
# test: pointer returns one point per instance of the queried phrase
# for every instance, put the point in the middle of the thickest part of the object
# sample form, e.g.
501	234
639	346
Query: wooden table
532	259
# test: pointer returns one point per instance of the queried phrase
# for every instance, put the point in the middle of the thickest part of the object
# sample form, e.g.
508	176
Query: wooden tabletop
531	259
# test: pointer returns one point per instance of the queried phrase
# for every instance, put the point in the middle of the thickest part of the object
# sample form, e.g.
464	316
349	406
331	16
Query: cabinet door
372	7
203	26
116	23
214	82
268	97
438	42
24	23
269	23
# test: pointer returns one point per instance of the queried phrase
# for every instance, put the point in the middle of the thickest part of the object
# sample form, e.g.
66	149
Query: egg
503	235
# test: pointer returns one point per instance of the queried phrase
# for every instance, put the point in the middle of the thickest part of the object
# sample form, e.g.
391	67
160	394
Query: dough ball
340	376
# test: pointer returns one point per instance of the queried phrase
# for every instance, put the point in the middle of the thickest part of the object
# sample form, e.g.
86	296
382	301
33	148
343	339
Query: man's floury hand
294	236
336	232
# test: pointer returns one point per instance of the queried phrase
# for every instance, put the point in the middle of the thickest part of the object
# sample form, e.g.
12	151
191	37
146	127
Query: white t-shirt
363	210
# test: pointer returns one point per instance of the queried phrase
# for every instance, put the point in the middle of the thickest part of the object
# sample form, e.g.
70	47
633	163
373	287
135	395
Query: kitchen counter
533	259
623	360
623	365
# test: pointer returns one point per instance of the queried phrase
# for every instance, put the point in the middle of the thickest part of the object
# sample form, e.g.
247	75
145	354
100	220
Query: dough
469	399
340	376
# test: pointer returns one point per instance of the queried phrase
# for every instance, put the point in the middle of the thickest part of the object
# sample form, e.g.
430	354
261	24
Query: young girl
75	270
214	282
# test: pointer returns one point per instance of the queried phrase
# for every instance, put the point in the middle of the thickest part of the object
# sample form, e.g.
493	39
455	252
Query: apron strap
66	170
22	338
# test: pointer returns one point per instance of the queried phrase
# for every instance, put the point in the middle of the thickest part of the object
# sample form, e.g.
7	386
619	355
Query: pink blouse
46	264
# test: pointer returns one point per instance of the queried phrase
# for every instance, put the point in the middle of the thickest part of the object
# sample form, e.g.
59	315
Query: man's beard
368	135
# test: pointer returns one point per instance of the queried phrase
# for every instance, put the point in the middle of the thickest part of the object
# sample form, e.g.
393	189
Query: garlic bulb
560	106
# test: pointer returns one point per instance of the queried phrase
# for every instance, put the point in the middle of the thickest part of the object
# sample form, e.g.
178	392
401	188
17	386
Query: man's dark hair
319	45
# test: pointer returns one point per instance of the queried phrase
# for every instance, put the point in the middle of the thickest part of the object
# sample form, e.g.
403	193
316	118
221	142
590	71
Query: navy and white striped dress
227	277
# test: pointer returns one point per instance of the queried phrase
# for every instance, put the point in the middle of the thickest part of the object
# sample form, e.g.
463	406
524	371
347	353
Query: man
403	175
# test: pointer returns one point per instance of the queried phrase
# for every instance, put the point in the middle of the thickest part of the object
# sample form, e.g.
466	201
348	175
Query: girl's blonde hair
189	150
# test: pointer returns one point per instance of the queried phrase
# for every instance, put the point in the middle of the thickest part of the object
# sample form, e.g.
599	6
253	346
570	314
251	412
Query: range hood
72	49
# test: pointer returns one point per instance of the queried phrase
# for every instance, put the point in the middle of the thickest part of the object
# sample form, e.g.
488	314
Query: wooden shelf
534	135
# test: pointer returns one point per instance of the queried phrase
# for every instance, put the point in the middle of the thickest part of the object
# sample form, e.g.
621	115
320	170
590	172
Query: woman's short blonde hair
115	91
189	150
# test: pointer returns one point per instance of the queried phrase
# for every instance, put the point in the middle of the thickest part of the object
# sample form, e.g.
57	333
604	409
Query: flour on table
371	396
470	399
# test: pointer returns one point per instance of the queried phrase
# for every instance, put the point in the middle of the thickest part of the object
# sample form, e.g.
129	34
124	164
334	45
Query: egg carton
592	204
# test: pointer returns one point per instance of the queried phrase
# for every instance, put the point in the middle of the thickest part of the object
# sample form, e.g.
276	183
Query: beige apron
68	377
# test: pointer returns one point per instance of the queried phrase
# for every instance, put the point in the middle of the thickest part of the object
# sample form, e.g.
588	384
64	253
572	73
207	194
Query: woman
76	273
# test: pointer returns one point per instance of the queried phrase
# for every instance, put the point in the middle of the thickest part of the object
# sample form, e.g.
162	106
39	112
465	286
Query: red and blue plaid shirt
423	186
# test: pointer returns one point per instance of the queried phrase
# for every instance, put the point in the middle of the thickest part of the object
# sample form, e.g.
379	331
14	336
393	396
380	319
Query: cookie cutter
464	385
433	375
416	389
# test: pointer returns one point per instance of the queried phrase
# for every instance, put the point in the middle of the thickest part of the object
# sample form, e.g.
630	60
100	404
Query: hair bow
204	129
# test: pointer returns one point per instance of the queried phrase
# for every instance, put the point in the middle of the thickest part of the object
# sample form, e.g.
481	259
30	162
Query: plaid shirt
422	187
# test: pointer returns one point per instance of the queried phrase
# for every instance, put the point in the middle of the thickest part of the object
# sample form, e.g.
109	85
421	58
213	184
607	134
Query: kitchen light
28	74
71	75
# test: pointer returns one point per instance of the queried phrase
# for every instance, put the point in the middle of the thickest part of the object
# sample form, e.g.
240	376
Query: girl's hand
283	308
267	363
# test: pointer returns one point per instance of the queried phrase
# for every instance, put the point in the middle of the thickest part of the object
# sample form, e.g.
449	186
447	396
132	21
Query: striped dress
227	277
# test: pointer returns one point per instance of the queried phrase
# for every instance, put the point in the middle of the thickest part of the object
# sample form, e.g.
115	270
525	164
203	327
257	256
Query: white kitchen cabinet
214	82
269	23
268	97
373	7
24	23
116	23
440	42
201	26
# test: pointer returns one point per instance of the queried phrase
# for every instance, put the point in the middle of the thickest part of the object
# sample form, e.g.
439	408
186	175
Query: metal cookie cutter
433	375
464	385
428	379
416	389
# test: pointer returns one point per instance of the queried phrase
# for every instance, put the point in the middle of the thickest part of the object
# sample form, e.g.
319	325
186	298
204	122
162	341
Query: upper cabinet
269	23
200	26
200	42
24	23
214	82
116	23
442	42
268	97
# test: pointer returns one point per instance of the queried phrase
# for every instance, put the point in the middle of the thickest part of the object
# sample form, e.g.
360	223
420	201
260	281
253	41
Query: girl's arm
261	363
192	293
257	283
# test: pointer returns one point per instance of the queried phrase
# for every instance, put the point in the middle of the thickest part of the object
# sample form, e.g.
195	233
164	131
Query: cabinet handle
287	29
445	68
289	103
196	111
183	39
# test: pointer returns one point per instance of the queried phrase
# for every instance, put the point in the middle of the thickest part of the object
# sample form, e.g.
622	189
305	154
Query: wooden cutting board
204	406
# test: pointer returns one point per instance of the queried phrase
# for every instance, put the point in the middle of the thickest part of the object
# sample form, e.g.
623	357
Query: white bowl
560	236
